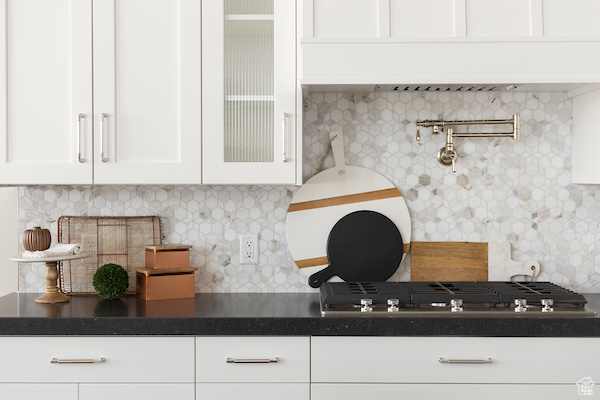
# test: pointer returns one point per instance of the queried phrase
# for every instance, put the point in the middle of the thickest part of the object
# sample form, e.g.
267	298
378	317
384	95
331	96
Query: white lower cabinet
94	368
348	391
253	391
36	391
129	391
452	367
267	368
97	359
297	368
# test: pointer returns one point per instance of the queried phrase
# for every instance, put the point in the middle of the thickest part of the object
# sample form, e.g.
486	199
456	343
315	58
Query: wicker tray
118	240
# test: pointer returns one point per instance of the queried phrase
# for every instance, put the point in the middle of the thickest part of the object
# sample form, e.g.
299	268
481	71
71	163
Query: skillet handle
316	279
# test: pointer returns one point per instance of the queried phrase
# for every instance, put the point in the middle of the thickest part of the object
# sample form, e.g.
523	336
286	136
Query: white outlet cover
249	249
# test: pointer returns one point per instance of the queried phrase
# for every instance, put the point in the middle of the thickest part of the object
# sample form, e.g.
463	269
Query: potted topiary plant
111	281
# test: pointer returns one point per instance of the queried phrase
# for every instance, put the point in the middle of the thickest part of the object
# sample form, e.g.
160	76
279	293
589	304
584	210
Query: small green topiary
111	281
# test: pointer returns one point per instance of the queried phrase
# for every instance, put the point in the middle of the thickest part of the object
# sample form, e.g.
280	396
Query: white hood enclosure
542	45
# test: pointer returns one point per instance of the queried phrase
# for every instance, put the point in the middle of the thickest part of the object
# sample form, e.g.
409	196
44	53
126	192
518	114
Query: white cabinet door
36	391
585	138
499	18
568	18
249	92
45	85
350	391
129	391
147	98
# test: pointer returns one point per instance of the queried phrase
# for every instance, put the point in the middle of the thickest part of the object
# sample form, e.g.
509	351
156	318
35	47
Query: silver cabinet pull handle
465	361
77	360
285	118
102	131
79	138
252	360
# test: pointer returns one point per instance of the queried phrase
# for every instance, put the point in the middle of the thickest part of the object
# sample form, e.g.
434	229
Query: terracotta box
164	286
167	256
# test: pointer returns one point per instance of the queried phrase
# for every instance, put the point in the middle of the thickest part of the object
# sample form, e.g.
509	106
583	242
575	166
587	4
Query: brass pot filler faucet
447	154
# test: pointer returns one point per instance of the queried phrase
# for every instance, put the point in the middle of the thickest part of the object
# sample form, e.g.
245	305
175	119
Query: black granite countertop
257	314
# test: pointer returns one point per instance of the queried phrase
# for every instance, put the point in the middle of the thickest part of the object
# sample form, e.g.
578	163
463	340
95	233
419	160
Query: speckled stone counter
257	314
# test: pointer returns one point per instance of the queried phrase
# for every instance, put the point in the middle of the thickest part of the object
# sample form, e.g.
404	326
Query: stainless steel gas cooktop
451	299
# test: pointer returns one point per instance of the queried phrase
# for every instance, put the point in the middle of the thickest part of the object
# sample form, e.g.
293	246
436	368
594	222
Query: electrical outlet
249	249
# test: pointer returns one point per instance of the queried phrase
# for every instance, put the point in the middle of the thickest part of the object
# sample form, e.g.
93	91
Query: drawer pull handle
252	360
77	360
464	361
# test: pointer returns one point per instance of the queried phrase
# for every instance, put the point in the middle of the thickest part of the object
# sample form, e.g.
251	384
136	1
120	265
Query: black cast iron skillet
363	246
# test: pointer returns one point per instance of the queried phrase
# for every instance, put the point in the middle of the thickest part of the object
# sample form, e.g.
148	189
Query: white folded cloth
58	250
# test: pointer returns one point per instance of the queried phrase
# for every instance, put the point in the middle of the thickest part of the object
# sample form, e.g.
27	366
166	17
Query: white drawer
127	359
253	391
212	354
131	391
325	391
416	359
37	391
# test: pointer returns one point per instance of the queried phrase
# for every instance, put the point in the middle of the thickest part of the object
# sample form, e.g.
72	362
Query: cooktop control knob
456	305
547	305
366	305
520	305
393	305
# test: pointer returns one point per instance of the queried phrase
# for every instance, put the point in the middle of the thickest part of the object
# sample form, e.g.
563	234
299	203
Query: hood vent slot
442	88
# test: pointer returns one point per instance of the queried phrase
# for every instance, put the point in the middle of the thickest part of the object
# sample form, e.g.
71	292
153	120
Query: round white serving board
332	194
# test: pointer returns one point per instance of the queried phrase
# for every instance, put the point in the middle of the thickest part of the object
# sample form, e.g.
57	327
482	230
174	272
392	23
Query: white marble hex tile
503	191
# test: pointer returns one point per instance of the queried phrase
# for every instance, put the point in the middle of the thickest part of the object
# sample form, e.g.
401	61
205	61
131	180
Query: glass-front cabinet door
249	91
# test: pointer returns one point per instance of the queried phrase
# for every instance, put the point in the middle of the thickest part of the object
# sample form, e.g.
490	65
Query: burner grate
351	292
534	292
443	292
420	293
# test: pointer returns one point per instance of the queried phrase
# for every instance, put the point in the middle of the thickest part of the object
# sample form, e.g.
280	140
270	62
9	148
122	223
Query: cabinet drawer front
127	359
252	355
251	391
323	391
129	391
417	359
46	391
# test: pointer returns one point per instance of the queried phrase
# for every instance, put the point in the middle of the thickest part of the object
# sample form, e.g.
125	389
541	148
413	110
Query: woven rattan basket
118	240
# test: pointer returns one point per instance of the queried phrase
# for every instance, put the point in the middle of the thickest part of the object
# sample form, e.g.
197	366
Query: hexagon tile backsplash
503	190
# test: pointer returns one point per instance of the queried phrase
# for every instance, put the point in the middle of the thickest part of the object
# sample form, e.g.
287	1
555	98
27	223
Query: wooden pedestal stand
51	295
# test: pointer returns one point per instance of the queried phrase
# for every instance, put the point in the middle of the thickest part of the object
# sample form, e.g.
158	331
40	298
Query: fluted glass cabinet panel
249	98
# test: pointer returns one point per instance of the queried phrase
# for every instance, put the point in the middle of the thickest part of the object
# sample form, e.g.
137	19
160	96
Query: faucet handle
447	154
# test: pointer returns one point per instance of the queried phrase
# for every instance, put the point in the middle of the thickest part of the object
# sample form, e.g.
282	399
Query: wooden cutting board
467	261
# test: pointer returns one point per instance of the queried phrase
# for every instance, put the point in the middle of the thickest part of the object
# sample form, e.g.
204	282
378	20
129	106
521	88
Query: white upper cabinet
586	117
249	92
500	18
45	91
346	18
449	41
147	98
407	18
330	19
569	18
128	113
